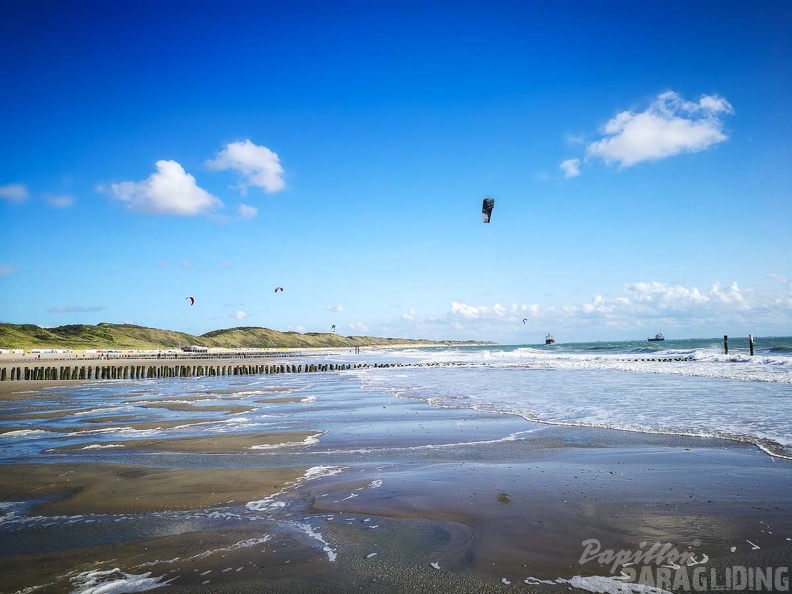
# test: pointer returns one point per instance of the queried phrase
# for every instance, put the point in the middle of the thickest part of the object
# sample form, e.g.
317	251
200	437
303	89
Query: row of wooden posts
101	372
165	370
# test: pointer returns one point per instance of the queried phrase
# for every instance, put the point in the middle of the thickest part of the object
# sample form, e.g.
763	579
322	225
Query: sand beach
315	483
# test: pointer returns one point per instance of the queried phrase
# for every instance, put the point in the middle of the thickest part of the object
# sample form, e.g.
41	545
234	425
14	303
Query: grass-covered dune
129	336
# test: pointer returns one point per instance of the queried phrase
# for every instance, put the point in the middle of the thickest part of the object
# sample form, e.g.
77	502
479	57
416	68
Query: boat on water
549	339
657	338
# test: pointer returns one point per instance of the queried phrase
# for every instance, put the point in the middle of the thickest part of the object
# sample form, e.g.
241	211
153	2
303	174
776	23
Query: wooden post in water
725	345
750	343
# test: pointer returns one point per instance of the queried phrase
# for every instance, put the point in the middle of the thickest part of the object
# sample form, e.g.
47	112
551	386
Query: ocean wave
781	348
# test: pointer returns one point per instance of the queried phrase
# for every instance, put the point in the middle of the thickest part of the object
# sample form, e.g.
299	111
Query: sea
680	387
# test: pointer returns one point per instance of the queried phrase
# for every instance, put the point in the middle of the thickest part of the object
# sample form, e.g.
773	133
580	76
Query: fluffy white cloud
669	126
240	315
410	315
467	311
258	165
571	167
170	191
335	308
664	295
14	192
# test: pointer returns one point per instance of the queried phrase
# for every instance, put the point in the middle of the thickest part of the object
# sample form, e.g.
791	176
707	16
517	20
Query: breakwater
164	369
81	370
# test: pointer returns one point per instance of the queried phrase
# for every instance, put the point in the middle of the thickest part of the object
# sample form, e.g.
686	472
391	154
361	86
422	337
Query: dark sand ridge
211	444
29	389
288	400
254	390
118	488
117	422
230	409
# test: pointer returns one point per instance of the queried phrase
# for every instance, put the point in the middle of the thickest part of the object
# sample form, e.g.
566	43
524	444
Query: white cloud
14	192
410	315
7	270
571	167
665	296
169	191
240	315
668	127
247	212
467	311
784	280
258	165
731	296
62	201
639	307
335	308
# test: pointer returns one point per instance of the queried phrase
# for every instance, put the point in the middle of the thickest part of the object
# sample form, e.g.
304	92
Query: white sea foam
114	581
310	440
23	433
313	473
243	544
309	530
599	584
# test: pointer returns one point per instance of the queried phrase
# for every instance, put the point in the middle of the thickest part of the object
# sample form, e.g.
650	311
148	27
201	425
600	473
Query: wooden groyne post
750	343
725	344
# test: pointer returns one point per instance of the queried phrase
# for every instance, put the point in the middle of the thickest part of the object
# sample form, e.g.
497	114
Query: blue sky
638	153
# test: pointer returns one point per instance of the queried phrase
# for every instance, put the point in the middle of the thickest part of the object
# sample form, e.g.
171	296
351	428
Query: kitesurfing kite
279	289
333	328
192	300
524	320
486	209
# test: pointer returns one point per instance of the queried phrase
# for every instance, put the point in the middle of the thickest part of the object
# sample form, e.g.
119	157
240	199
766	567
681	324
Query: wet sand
228	409
81	489
210	444
425	500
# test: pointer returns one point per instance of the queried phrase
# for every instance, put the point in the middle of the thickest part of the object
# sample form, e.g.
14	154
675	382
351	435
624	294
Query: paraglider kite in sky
279	289
524	320
486	209
333	328
191	300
